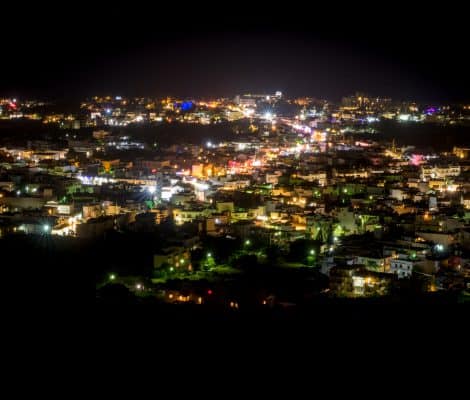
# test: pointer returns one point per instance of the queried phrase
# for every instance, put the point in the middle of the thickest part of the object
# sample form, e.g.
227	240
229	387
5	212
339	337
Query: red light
209	291
154	170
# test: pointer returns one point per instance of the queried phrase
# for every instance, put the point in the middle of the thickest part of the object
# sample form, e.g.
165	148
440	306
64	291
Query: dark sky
87	50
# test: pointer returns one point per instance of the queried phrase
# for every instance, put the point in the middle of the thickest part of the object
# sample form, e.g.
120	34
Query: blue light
185	105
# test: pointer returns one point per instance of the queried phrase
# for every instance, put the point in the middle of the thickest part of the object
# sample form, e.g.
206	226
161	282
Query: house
402	266
356	281
173	257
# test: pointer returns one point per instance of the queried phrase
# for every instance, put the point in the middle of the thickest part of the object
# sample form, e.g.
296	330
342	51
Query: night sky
184	51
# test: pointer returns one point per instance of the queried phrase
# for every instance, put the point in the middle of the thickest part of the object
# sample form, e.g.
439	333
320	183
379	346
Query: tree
304	251
272	254
246	261
115	293
208	262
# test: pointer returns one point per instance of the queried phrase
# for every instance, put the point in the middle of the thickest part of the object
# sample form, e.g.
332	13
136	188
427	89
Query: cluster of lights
439	247
151	189
94	180
269	116
302	128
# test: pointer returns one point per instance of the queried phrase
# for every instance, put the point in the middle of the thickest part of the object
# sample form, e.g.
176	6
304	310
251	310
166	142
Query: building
429	172
461	152
401	266
356	281
173	258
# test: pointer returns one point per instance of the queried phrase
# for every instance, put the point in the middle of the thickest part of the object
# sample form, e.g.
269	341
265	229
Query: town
252	201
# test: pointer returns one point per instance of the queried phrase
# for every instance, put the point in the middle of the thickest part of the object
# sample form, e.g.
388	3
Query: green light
209	255
312	252
182	261
112	277
247	242
171	269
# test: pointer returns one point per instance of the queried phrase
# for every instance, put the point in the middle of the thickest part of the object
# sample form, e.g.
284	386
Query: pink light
416	159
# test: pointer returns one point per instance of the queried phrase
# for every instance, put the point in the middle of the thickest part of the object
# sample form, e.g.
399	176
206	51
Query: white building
401	266
442	172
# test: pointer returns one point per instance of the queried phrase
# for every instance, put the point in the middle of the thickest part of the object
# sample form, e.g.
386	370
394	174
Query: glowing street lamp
46	228
312	252
112	277
247	242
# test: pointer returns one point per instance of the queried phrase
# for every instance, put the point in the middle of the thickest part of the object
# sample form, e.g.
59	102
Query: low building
402	267
95	227
357	281
173	258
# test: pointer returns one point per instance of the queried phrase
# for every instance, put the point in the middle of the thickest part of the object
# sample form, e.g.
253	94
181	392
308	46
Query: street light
312	252
46	228
247	242
112	277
